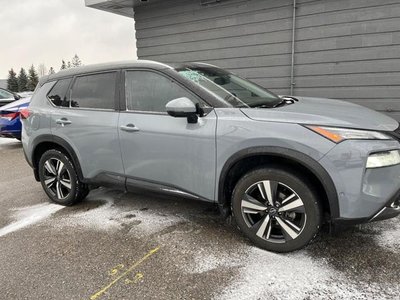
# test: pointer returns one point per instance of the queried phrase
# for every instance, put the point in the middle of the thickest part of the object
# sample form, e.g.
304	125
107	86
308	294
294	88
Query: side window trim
116	94
124	100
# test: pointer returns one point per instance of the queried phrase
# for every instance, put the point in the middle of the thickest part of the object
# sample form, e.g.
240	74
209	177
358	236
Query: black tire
277	228
62	184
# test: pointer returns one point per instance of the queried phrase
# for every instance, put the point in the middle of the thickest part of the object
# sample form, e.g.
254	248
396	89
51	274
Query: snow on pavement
110	217
30	215
6	141
389	234
258	274
266	275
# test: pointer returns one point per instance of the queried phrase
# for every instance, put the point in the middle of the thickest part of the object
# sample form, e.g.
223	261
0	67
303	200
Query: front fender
291	155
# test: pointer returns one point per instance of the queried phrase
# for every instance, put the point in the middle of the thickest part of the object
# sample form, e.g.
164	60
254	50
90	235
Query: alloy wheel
57	178
274	211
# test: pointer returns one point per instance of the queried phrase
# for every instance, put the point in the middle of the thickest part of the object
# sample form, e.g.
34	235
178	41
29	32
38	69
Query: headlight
383	159
336	134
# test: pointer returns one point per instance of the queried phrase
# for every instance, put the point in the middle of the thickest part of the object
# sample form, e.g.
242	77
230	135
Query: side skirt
136	185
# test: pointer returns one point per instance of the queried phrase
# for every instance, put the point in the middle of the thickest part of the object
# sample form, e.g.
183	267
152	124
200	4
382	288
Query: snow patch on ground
99	218
208	262
27	216
153	222
266	275
390	238
110	217
7	141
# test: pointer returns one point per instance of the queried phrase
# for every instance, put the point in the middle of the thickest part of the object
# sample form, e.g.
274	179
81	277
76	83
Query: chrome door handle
129	128
63	121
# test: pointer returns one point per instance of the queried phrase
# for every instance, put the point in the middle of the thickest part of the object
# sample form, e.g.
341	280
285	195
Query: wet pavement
116	245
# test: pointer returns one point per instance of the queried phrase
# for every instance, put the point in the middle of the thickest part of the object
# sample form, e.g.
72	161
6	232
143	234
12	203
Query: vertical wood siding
345	49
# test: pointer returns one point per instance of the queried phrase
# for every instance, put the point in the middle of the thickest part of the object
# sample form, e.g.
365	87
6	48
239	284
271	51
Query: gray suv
282	166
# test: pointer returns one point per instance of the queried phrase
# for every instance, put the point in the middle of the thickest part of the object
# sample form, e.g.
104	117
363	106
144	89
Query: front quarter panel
236	132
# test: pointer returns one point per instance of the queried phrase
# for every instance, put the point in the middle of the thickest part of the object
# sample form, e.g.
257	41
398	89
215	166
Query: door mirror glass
182	108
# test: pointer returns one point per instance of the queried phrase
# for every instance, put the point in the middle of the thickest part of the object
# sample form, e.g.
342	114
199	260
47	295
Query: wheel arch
250	158
47	142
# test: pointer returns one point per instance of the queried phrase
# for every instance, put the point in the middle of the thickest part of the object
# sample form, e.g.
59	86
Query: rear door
86	116
160	149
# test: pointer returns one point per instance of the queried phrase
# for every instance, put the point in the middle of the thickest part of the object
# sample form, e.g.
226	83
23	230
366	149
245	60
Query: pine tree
22	80
12	81
51	71
33	78
69	66
76	61
63	65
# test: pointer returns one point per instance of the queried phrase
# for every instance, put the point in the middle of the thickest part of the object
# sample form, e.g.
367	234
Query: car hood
328	112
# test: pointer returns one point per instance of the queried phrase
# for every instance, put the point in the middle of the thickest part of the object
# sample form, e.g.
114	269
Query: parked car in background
282	166
25	94
10	122
7	97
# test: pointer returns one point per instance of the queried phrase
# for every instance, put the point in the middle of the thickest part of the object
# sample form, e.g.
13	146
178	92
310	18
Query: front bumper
364	195
391	210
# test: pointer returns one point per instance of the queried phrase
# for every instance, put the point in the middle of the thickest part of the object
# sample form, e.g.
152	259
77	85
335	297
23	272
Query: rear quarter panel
39	122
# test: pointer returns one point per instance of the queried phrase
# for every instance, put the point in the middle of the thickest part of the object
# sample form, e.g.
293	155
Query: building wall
3	83
345	49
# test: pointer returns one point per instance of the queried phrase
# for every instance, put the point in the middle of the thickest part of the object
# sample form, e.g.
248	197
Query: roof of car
104	67
120	65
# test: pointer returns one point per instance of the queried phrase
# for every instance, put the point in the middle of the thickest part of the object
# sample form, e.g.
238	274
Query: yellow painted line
136	264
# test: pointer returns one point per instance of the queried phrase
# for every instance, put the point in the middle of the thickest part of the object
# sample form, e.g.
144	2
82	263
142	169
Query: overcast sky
47	31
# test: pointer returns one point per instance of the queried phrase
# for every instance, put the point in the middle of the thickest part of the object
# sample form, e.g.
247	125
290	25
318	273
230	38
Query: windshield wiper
280	103
286	100
290	98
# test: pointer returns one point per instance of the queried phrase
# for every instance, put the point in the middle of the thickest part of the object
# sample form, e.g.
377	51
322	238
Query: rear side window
150	91
58	94
94	91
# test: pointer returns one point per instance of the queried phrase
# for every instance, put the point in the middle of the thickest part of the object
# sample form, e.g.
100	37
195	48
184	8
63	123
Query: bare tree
42	70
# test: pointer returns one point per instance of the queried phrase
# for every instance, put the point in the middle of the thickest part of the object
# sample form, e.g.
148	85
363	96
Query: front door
160	149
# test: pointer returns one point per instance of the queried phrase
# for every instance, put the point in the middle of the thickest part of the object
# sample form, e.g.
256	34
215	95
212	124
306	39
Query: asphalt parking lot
127	246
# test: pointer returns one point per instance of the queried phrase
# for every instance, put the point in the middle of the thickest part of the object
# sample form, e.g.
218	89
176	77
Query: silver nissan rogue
282	166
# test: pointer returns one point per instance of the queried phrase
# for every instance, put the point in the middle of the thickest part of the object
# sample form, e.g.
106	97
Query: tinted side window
94	91
150	91
58	94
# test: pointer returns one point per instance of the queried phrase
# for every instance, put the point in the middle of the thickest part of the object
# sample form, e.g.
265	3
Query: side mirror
16	96
182	108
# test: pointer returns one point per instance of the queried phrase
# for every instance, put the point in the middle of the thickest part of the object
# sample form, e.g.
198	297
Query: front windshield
230	88
5	95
